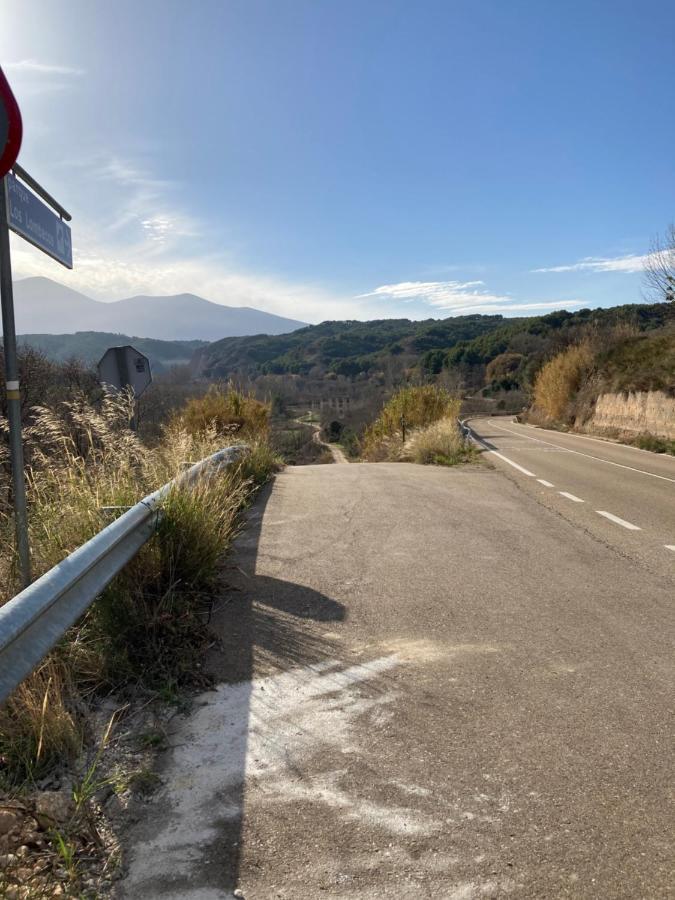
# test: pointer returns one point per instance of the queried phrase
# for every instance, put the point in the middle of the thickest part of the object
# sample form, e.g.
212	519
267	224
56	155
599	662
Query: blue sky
351	159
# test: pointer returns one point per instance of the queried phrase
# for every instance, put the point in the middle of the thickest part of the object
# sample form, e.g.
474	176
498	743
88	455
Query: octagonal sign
11	129
122	367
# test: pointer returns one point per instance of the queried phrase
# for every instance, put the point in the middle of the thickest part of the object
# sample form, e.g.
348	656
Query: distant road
617	494
431	686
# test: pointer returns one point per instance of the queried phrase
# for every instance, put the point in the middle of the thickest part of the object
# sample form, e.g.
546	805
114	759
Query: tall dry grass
409	409
440	443
147	628
560	379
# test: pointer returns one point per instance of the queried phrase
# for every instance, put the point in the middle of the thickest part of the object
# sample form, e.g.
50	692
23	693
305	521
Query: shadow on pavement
260	623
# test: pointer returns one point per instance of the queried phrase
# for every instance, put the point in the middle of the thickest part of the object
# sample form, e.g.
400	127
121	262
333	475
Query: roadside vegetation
147	628
144	637
418	424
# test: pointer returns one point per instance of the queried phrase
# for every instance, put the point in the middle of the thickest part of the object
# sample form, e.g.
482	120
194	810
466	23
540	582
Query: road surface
431	684
617	494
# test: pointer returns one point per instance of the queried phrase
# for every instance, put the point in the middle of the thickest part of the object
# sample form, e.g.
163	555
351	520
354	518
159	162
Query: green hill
89	346
342	348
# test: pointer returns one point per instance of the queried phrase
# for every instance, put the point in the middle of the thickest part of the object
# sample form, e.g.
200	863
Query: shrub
559	380
410	408
441	443
227	411
654	443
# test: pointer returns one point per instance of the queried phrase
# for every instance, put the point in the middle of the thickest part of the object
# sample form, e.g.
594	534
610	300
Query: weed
655	444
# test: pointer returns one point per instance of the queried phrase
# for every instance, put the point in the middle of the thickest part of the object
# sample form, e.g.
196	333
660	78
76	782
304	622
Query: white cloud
462	297
629	264
34	67
441	294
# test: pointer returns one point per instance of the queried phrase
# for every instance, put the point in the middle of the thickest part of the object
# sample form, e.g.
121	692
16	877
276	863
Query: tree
660	267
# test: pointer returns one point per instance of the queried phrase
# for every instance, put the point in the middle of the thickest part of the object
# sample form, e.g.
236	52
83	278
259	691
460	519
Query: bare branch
660	267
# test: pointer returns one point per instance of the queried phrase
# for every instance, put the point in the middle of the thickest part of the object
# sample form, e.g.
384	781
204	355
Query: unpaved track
336	452
431	686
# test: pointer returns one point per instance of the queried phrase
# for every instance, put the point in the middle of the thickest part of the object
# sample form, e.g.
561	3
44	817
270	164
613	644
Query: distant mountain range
43	306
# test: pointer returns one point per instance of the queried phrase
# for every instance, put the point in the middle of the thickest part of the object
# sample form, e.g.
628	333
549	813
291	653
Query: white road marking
613	518
586	437
544	482
505	458
571	497
587	455
670	547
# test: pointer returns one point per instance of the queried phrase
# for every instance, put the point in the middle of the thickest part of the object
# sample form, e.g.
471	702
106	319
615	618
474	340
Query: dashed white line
544	482
512	463
617	520
670	547
571	497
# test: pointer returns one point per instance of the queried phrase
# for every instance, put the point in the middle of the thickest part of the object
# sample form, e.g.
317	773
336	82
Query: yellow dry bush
559	380
410	408
227	411
440	443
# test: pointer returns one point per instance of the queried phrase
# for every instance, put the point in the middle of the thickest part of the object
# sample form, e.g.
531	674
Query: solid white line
670	547
587	455
618	521
544	482
587	437
505	458
571	497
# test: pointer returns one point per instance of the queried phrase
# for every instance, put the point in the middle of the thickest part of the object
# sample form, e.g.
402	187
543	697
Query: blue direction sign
28	216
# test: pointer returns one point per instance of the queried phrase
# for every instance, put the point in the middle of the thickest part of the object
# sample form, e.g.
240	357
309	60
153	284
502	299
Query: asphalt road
617	494
431	684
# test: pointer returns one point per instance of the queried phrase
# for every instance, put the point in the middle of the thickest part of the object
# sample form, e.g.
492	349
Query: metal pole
13	394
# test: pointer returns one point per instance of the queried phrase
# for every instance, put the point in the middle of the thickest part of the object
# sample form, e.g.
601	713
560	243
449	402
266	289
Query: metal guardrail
36	619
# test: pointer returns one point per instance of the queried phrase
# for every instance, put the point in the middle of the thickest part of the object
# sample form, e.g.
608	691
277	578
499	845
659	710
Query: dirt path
337	452
430	686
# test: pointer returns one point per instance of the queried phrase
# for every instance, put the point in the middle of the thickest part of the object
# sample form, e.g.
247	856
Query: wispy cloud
462	297
441	294
34	67
627	264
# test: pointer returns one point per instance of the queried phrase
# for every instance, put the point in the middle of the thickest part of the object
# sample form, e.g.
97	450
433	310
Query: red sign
11	129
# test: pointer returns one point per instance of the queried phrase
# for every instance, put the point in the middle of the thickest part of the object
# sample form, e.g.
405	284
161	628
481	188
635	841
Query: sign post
11	132
24	213
13	396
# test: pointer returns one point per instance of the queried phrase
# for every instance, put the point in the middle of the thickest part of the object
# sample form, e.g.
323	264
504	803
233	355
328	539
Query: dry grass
440	443
227	411
148	626
559	380
409	409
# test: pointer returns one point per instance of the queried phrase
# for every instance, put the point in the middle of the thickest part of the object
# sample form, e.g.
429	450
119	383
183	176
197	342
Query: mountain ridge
44	306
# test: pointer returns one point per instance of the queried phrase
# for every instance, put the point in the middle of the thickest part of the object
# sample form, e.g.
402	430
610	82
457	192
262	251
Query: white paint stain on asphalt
264	732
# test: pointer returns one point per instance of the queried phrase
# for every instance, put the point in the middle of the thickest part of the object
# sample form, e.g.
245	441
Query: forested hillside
480	351
342	348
